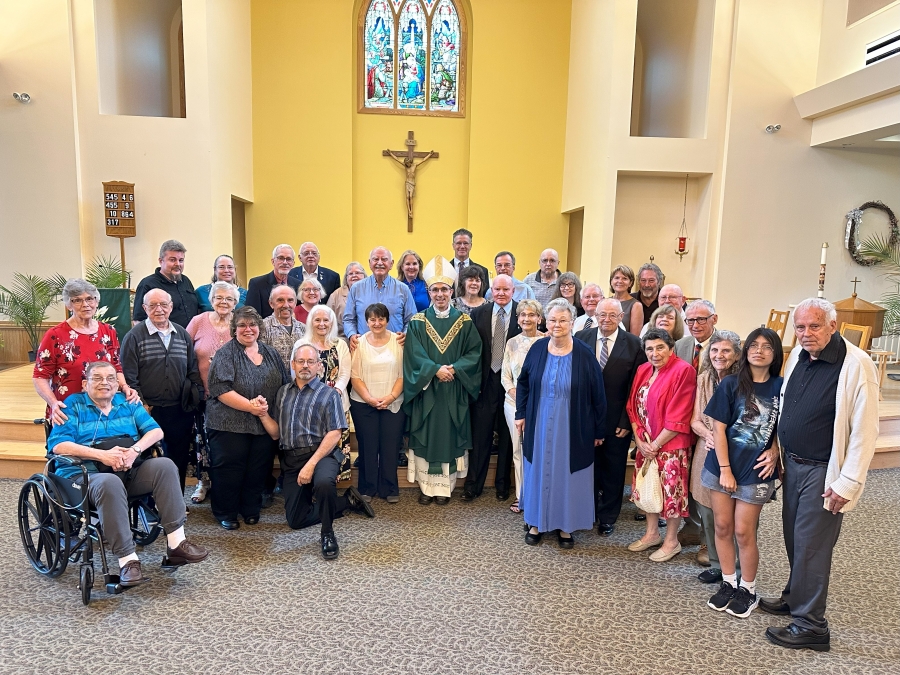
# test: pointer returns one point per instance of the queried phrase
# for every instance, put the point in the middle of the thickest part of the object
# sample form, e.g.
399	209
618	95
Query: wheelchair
58	526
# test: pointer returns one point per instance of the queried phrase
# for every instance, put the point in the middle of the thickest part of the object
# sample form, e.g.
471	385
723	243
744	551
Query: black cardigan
587	418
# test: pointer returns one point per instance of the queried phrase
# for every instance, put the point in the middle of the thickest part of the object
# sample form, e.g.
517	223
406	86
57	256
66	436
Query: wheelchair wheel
145	527
44	527
86	583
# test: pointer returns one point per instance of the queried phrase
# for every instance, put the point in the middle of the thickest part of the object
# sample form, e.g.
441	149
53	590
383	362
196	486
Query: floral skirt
344	444
673	474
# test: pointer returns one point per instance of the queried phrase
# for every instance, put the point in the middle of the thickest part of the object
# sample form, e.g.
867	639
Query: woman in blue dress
561	414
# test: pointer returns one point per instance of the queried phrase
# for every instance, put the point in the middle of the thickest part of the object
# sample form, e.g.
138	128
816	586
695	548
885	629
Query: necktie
604	352
696	362
498	341
589	322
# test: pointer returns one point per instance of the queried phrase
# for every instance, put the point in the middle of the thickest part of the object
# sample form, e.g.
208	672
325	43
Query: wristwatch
136	449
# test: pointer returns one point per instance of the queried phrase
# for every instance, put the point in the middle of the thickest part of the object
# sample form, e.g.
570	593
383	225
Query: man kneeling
310	418
100	414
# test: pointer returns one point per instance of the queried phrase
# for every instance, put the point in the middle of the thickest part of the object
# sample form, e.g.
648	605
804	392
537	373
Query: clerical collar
442	315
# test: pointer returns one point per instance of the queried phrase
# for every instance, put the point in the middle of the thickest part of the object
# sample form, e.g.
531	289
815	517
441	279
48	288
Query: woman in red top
308	296
66	350
660	408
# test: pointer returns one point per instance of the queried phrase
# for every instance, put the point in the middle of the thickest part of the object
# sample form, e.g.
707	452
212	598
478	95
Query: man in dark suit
259	288
462	245
496	323
619	353
310	269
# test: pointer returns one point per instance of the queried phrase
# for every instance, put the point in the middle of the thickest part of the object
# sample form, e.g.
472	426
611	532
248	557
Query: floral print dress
330	368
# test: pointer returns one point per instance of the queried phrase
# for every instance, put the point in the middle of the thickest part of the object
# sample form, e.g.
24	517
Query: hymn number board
118	198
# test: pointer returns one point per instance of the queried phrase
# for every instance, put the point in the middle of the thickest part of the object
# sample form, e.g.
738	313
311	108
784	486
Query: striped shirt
306	415
88	424
158	370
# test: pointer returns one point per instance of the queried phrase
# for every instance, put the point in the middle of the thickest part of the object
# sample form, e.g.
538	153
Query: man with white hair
310	269
827	430
260	288
591	295
379	287
543	282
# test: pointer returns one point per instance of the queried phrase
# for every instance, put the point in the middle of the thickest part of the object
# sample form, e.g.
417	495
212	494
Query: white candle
824	252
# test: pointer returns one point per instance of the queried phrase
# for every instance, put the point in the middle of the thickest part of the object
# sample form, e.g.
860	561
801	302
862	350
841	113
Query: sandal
199	495
514	507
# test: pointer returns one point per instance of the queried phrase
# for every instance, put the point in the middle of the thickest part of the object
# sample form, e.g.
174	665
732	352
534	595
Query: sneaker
743	603
722	597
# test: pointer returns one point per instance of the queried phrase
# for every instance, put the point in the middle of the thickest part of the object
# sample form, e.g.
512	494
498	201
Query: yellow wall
318	169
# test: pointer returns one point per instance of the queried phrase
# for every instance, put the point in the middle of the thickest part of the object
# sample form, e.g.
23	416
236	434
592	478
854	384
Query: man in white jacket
827	430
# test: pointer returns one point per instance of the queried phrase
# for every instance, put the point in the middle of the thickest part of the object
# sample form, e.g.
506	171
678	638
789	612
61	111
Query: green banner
115	309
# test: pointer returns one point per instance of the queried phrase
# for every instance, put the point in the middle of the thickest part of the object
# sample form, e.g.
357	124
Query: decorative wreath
851	237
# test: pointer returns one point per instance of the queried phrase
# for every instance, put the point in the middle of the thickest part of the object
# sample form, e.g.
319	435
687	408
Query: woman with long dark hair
740	474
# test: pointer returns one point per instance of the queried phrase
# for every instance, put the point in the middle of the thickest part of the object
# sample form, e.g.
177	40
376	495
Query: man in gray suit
700	318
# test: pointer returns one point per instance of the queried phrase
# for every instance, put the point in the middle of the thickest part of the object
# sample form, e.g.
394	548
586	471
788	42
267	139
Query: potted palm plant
26	302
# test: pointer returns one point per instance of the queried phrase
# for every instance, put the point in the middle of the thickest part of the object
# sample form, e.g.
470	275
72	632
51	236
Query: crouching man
101	414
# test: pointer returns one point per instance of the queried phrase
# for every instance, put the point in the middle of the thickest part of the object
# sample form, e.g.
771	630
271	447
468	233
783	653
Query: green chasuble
439	428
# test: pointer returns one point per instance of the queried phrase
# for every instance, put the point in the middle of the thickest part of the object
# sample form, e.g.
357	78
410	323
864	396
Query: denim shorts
758	493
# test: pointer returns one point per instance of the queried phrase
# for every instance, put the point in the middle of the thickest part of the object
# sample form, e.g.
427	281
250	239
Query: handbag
648	492
124	441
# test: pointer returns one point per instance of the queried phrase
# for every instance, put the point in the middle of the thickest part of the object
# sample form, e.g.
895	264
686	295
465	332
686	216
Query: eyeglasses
310	290
568	286
663	298
547	261
228	299
307	362
78	302
99	379
756	347
224	268
609	315
159	305
284	259
700	320
247	325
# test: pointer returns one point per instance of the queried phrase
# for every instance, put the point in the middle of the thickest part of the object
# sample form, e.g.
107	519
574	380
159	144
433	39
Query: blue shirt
88	424
419	292
393	295
521	291
203	297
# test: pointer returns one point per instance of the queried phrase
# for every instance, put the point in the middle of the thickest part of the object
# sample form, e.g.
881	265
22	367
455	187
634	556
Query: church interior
727	141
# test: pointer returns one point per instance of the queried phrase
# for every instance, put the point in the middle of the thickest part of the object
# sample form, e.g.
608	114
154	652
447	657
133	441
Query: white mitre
439	270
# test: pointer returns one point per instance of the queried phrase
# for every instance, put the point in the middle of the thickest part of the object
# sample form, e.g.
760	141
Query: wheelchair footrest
169	566
114	584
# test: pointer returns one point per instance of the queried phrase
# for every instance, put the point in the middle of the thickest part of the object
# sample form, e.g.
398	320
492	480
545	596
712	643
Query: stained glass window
379	55
445	49
412	57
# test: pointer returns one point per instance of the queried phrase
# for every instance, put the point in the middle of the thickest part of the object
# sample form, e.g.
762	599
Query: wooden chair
856	335
778	322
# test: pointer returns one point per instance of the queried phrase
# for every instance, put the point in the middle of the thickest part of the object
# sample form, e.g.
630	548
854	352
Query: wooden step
21	459
21	430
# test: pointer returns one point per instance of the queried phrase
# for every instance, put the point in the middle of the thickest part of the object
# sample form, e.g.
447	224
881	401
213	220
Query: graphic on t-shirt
756	432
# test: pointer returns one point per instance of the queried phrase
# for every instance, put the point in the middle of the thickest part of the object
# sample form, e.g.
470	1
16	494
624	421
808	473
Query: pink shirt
207	340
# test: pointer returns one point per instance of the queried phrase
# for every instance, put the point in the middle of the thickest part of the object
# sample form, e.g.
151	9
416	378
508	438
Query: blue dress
555	498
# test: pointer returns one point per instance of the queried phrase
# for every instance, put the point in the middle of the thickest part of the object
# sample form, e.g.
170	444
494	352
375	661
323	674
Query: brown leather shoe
131	574
186	552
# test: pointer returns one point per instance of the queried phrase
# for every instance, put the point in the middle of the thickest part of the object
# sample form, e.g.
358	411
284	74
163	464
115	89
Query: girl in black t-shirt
740	473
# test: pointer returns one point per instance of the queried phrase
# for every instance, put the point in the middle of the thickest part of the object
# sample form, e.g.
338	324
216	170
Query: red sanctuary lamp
682	238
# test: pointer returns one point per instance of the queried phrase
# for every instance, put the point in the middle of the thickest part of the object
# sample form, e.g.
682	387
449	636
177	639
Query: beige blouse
378	367
704	393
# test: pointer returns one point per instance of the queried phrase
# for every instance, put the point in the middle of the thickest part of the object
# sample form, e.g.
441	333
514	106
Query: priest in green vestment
441	377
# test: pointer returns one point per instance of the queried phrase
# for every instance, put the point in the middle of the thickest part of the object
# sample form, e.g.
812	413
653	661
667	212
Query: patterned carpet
443	590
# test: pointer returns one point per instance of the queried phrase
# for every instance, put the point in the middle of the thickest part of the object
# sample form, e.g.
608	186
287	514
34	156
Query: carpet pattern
437	590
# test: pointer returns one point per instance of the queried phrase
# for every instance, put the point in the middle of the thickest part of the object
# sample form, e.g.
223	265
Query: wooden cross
408	159
855	281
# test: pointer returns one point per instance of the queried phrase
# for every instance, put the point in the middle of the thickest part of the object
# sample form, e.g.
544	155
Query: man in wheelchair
100	417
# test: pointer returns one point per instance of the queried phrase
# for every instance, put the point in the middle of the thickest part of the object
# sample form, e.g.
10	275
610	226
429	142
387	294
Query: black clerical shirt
806	425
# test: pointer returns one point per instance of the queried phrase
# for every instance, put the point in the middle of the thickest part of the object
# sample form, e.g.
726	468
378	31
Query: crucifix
408	159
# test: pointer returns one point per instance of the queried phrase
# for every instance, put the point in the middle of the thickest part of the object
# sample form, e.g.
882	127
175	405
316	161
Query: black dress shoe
502	496
640	517
533	539
775	606
357	503
442	501
711	576
468	496
565	542
402	460
662	522
794	637
267	499
330	547
252	520
229	524
605	530
425	500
